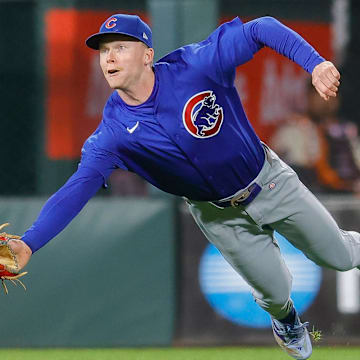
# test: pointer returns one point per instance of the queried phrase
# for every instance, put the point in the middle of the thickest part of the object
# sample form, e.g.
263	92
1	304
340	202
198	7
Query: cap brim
93	41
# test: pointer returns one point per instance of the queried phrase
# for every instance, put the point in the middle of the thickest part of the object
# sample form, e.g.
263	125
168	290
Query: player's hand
14	255
325	78
21	250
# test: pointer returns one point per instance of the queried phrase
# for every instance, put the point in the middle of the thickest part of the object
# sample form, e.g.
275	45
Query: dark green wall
107	280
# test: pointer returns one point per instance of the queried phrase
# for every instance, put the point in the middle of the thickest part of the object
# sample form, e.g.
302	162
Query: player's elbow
267	20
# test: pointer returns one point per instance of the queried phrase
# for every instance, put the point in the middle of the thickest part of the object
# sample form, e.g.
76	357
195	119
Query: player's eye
103	50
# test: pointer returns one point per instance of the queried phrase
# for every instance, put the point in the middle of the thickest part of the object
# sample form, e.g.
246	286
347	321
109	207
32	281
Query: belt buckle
236	200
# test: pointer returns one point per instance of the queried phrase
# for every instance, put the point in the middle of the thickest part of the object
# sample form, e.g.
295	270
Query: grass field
219	353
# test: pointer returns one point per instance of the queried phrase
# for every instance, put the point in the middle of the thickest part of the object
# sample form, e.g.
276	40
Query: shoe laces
291	333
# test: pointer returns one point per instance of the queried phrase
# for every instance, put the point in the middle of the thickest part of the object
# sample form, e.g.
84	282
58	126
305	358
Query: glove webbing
8	235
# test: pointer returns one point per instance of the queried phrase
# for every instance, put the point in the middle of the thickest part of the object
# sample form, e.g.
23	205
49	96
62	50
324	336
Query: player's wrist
21	250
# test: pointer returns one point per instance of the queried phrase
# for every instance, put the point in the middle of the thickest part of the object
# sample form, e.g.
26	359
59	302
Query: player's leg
253	253
313	230
289	207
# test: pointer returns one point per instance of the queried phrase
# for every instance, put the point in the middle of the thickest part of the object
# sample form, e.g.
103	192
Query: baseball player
180	124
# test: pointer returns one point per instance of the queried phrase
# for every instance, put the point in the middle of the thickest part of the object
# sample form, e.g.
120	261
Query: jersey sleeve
234	43
219	55
99	153
267	31
63	206
97	162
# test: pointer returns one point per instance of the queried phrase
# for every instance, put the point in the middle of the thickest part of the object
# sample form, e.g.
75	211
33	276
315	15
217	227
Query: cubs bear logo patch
202	116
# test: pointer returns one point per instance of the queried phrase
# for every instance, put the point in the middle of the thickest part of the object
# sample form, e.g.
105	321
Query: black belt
243	198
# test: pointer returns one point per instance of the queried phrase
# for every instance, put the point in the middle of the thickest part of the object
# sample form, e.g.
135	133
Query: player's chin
113	83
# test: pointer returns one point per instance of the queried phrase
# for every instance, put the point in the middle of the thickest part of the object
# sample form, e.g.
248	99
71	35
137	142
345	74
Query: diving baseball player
180	124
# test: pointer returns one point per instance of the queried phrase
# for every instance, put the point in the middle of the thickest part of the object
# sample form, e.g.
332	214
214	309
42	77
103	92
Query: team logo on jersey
111	23
202	117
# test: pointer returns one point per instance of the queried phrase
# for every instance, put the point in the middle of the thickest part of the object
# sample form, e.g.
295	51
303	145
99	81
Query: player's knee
337	264
342	262
343	266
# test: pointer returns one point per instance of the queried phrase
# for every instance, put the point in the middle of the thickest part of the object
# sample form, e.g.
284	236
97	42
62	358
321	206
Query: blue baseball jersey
191	137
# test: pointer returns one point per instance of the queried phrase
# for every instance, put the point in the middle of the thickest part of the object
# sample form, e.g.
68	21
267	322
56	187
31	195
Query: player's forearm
62	207
267	31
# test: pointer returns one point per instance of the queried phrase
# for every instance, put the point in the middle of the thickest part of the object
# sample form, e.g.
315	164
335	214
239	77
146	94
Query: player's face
123	60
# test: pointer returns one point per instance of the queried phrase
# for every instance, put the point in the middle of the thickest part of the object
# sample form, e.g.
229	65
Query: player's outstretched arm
56	214
63	206
326	79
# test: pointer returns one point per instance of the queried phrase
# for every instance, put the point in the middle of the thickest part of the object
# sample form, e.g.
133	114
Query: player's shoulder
181	57
171	58
189	52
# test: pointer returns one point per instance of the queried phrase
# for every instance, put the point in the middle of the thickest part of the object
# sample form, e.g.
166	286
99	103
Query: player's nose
110	56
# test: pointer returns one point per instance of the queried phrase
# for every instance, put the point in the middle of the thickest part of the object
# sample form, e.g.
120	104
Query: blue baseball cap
124	24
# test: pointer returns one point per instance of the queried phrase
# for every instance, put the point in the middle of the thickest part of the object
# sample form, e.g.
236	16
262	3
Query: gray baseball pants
245	235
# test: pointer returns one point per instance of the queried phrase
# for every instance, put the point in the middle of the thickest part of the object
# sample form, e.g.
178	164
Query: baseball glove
9	268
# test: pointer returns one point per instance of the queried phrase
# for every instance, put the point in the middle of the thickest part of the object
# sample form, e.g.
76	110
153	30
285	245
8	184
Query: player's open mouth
113	71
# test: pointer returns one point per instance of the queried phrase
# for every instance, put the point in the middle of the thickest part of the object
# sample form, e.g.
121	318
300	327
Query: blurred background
133	269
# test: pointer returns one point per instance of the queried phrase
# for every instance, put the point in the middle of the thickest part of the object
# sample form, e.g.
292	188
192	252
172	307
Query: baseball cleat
294	339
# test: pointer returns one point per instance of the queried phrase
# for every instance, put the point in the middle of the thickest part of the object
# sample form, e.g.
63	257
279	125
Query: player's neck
140	91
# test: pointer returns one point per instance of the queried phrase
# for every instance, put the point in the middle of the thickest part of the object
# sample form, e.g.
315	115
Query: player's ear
149	56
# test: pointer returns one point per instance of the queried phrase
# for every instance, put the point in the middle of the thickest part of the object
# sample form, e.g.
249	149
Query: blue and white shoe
294	339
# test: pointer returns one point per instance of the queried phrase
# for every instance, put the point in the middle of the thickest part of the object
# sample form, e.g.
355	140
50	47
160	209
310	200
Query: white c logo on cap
111	23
